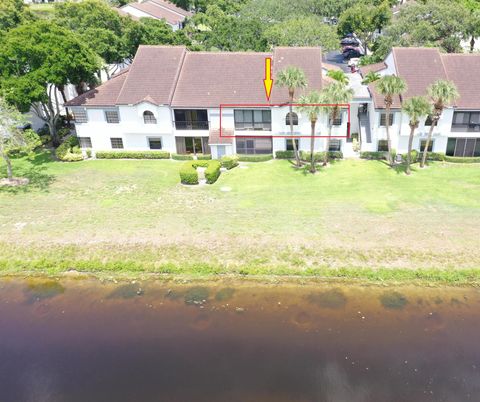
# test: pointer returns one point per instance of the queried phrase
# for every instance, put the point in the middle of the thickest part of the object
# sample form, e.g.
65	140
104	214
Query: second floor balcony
191	125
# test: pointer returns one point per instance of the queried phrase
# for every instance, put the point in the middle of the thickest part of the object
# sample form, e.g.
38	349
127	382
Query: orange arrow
268	82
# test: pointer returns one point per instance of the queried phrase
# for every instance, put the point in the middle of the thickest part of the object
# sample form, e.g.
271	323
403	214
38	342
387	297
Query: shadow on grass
34	170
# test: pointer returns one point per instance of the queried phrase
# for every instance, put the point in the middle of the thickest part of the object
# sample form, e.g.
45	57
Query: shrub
179	157
204	157
373	155
320	156
213	171
133	155
435	156
188	174
255	158
69	151
413	156
284	154
229	161
457	159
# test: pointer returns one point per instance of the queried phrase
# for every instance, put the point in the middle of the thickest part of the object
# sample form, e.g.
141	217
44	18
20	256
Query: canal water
73	340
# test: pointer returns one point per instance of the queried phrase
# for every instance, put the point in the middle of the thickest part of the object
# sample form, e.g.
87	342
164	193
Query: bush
285	154
229	161
458	159
413	156
188	174
213	171
255	158
179	157
69	151
204	157
373	155
133	155
320	156
435	156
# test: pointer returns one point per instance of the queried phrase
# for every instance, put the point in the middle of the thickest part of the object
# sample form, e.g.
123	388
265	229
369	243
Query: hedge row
373	155
320	156
189	174
255	158
456	159
229	161
133	155
284	154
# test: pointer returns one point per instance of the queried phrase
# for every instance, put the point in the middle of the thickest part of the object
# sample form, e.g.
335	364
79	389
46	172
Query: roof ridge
177	76
231	53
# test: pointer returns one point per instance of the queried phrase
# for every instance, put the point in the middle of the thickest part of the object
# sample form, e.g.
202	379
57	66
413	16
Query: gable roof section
104	95
464	71
153	75
172	7
308	59
364	70
160	10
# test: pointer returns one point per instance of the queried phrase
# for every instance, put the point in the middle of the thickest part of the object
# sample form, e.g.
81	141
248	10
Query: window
428	121
191	119
466	121
149	117
294	118
463	147
117	143
383	119
111	116
253	120
337	121
251	146
335	145
85	142
423	143
80	116
382	146
289	144
155	143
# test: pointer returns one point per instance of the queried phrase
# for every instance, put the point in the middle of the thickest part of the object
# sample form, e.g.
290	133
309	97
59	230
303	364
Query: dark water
87	341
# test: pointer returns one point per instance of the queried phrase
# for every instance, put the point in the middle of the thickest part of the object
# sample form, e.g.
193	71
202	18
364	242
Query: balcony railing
253	126
466	128
191	125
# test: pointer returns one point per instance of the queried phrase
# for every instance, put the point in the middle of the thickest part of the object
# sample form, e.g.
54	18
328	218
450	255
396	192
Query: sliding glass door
463	147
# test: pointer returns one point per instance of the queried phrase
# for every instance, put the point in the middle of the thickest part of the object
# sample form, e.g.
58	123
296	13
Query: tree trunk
472	44
53	133
389	140
312	149
410	144
327	145
295	150
429	138
8	162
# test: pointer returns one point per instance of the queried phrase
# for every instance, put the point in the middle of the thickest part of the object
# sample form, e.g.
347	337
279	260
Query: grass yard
355	218
42	10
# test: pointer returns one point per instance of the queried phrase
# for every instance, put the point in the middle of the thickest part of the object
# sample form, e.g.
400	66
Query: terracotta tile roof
172	75
309	59
153	75
328	67
364	70
464	71
159	10
172	7
104	95
125	14
379	100
214	136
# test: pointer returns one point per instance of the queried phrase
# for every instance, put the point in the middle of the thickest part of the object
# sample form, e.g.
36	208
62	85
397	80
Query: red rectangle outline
229	105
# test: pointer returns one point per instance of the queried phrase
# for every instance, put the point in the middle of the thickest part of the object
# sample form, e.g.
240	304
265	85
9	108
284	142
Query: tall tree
442	93
335	94
292	78
416	108
13	13
390	86
472	28
36	62
310	105
11	137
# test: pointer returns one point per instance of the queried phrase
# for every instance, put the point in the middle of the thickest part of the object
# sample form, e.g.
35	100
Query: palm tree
389	86
339	76
416	108
292	78
334	94
370	77
310	106
442	93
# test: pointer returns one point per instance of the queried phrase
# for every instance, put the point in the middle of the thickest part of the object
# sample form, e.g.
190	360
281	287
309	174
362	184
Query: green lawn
354	218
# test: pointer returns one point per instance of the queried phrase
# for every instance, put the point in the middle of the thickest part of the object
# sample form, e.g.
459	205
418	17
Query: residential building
157	9
170	98
214	102
458	130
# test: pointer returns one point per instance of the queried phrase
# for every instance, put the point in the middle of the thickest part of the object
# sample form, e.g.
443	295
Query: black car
351	53
349	42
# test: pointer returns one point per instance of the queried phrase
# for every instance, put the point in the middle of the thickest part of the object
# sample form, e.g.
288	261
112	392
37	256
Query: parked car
350	53
349	42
